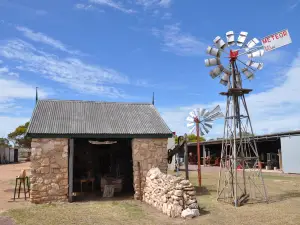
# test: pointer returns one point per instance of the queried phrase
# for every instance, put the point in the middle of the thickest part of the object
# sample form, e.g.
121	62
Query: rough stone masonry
49	170
149	153
172	195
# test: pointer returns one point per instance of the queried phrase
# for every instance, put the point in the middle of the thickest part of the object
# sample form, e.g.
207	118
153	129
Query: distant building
280	150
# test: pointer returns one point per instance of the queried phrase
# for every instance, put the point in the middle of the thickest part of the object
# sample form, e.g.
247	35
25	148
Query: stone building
79	146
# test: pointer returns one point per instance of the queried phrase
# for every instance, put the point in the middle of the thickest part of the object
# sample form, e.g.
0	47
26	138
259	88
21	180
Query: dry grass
284	208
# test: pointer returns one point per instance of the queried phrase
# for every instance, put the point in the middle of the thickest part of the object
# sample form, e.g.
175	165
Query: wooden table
87	180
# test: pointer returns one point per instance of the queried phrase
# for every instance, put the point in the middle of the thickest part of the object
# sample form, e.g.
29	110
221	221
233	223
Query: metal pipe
199	156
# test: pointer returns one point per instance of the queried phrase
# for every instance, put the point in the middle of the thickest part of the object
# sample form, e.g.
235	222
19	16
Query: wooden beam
204	155
71	166
186	159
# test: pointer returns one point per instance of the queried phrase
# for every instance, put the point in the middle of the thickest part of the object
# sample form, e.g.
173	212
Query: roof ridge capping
88	101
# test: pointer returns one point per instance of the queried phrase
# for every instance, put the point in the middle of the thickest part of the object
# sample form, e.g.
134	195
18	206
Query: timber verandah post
186	161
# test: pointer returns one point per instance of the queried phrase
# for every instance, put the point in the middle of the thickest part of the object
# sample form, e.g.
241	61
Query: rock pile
172	195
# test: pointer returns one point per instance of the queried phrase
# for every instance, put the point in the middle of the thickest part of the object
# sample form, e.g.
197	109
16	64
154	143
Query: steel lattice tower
240	177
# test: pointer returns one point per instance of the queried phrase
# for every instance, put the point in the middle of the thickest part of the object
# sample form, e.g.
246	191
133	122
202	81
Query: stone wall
149	153
172	195
49	170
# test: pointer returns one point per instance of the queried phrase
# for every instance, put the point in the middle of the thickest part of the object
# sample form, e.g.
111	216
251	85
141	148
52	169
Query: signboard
276	40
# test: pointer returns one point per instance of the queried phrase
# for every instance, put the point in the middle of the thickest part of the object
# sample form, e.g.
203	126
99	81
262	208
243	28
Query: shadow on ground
203	211
284	196
204	191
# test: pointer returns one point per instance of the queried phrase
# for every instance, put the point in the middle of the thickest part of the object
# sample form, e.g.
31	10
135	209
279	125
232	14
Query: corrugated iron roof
257	138
59	117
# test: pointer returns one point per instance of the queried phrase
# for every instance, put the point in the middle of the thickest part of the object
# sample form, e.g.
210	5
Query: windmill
200	121
240	177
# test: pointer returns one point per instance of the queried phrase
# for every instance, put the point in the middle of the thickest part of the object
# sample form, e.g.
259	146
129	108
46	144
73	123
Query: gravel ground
283	208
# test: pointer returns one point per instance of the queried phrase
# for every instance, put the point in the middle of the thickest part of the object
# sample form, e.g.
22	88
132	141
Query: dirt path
8	174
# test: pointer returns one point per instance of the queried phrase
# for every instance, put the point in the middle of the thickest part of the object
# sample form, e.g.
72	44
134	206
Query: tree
191	138
245	134
4	143
18	136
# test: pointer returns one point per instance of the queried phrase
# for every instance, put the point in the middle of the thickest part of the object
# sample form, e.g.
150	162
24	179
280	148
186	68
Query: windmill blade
206	129
201	131
192	114
190	119
192	130
248	73
215	116
255	65
212	62
196	111
257	53
216	71
206	114
230	38
200	111
203	112
215	110
208	120
190	124
252	43
224	79
213	51
219	42
208	124
241	39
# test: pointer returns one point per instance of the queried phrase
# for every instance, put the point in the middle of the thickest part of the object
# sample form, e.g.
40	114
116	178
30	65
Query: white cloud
6	72
42	38
113	4
293	6
167	16
165	3
87	7
15	89
118	5
174	40
275	56
149	3
84	7
274	110
71	72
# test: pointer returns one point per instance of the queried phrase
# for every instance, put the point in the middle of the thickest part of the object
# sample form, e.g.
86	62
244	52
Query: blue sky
110	50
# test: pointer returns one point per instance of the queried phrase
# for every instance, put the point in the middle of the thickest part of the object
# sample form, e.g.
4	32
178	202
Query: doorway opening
100	164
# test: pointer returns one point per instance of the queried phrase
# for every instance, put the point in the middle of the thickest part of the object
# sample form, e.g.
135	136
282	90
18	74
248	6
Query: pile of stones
172	195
